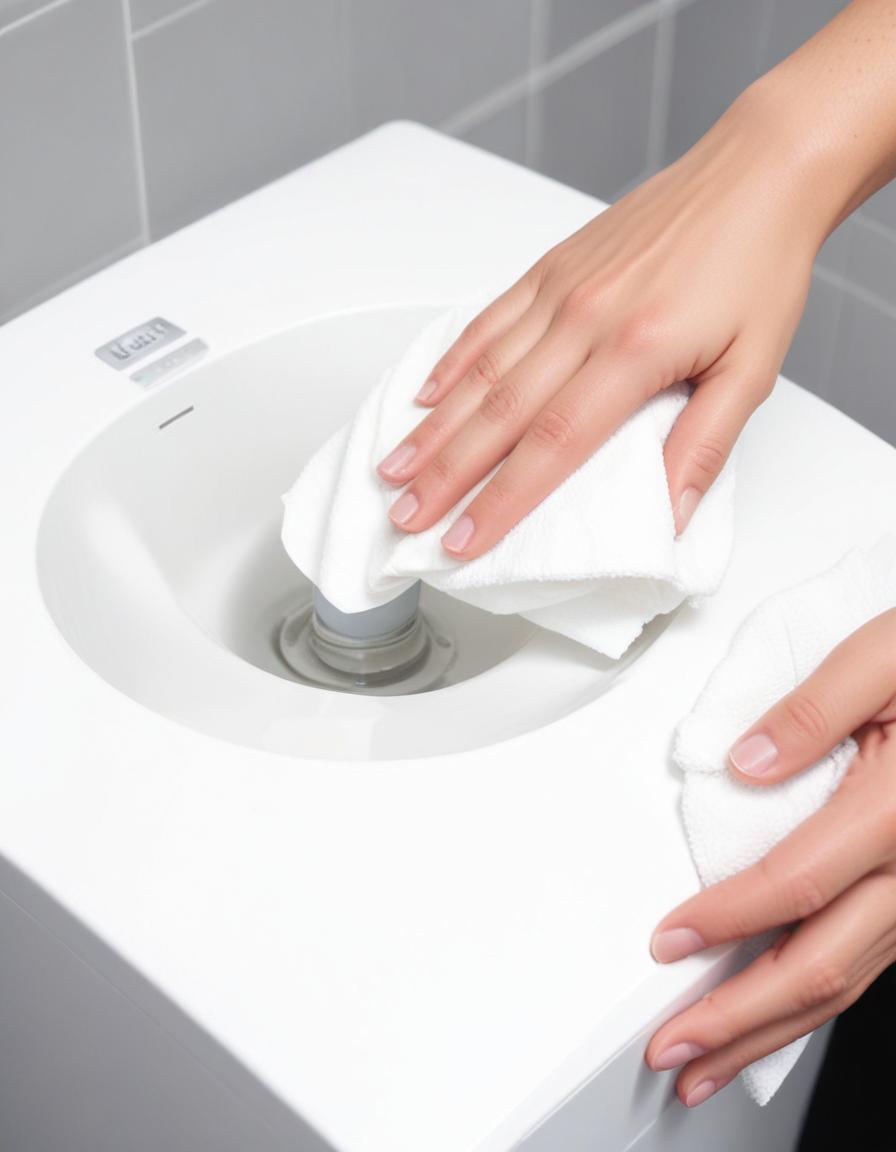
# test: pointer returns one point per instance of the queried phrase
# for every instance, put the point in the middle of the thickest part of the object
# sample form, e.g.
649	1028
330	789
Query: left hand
834	878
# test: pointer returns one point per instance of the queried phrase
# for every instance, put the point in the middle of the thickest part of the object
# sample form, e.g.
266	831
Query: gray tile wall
121	120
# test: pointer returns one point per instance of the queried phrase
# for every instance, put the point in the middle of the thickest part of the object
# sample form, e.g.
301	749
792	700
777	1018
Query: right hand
699	274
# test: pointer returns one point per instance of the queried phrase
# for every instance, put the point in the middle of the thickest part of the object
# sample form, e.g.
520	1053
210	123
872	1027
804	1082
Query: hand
835	875
699	274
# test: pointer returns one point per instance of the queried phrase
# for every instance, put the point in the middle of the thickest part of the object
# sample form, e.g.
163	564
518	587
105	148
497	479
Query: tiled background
121	120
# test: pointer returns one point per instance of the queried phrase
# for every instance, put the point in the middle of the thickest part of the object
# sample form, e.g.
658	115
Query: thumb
703	436
853	685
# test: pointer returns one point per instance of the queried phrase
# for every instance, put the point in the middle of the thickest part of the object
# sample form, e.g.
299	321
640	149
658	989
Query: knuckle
639	334
805	896
478	328
502	404
486	370
806	717
708	457
821	983
552	430
533	279
888	629
434	427
442	470
724	1025
885	821
495	497
583	301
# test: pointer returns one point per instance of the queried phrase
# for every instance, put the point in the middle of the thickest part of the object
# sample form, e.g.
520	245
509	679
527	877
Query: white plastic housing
215	944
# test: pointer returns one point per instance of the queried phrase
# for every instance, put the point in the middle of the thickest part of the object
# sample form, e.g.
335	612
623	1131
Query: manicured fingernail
676	1055
397	460
429	389
404	508
458	535
687	504
755	755
702	1092
675	944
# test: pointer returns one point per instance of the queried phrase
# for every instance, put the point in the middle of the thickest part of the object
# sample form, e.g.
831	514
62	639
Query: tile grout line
139	162
30	16
886	231
562	65
164	21
845	284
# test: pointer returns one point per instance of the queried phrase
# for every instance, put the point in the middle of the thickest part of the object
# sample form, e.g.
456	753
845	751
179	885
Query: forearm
828	115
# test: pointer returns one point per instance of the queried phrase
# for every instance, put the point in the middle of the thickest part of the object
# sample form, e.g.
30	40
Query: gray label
132	346
169	362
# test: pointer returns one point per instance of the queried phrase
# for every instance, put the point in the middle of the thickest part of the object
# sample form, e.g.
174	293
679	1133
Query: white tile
12	10
503	133
427	61
146	12
792	23
717	48
233	95
595	121
810	358
872	260
569	21
68	193
882	206
863	383
834	254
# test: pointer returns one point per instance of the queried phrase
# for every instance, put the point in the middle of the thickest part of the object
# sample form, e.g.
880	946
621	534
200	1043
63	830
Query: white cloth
594	561
731	825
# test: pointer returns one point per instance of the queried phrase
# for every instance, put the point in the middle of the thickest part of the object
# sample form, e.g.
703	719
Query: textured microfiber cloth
595	561
731	825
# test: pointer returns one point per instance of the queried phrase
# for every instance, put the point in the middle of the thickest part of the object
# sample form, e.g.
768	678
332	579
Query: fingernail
687	504
675	944
404	508
458	535
397	460
702	1092
429	389
754	755
676	1055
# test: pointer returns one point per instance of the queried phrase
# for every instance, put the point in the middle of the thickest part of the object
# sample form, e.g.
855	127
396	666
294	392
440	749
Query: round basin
160	561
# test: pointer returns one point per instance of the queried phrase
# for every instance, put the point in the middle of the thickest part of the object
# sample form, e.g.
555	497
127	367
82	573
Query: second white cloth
595	561
731	825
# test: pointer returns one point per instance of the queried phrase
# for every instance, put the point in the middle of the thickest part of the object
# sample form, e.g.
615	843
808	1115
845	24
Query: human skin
699	274
831	882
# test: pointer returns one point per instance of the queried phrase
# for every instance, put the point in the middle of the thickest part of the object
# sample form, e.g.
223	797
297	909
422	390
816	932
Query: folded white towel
595	561
731	825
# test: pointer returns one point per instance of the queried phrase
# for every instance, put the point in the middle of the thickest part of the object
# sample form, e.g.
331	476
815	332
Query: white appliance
240	913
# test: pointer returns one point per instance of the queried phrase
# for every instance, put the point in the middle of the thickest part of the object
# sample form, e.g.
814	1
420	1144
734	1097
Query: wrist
829	113
803	168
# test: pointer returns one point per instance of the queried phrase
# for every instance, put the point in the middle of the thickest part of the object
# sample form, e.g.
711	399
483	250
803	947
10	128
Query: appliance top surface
407	953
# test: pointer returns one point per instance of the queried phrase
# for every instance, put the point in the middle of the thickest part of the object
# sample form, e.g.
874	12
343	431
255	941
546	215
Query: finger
482	331
574	423
704	434
828	992
853	684
418	448
502	417
822	961
837	845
